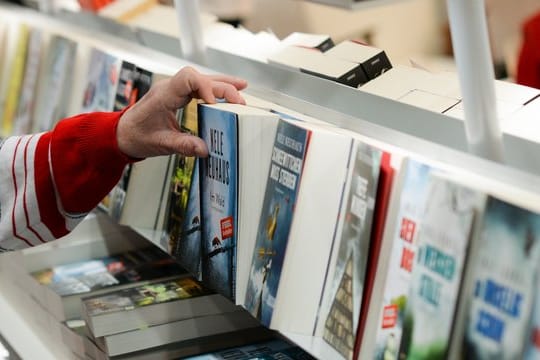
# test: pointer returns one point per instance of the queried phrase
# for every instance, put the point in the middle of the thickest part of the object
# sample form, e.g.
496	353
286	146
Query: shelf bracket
191	33
472	53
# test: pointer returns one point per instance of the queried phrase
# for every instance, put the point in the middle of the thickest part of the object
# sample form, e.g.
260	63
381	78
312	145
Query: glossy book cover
352	241
290	147
503	274
400	265
443	239
219	199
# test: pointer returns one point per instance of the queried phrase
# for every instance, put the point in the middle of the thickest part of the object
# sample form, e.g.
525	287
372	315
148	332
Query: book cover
22	123
400	265
133	83
219	199
145	295
182	235
93	274
503	273
16	70
344	290
269	350
384	189
54	85
101	82
290	147
443	239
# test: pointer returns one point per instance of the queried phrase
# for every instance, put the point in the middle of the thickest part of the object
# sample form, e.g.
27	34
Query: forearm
50	181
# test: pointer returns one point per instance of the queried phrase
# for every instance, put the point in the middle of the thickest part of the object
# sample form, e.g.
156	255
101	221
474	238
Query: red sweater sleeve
50	181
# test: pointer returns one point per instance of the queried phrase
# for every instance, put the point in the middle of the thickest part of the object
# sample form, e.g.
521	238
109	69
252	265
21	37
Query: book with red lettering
232	180
390	163
382	333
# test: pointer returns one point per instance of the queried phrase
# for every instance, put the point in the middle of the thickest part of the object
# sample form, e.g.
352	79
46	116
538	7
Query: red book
386	177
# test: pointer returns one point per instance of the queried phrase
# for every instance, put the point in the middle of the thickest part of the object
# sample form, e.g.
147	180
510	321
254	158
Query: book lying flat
151	304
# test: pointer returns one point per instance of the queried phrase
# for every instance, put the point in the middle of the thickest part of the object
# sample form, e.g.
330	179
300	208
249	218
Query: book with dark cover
502	273
269	350
219	199
290	147
182	235
343	292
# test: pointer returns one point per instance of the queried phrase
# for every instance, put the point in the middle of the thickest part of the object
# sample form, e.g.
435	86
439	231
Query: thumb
188	145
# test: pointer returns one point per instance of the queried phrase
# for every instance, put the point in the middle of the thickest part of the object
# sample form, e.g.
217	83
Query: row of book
320	231
105	292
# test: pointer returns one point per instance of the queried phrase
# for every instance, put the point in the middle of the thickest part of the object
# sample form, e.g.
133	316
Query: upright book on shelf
499	284
297	225
54	85
445	229
239	140
14	83
22	122
182	228
101	82
383	328
344	288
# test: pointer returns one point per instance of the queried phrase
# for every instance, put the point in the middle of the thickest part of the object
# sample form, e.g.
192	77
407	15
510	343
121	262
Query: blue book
290	147
502	277
219	199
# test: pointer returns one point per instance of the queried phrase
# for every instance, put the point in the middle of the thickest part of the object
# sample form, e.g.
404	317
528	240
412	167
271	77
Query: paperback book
54	84
443	241
182	235
342	296
101	82
219	194
502	273
155	303
288	155
412	200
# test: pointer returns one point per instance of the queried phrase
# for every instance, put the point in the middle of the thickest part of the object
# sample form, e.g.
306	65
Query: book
298	221
499	291
151	304
22	122
54	85
133	83
383	328
374	61
343	290
174	332
389	166
182	229
443	242
16	75
101	82
267	350
65	284
232	180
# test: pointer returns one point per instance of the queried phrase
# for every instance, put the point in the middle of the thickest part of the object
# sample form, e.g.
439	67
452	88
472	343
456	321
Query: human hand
149	128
